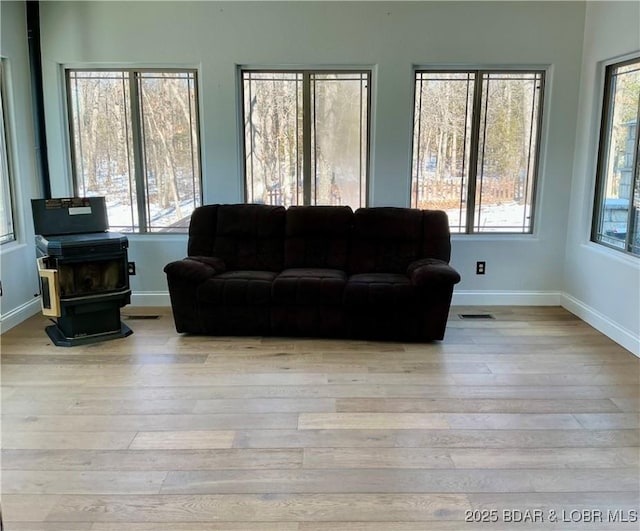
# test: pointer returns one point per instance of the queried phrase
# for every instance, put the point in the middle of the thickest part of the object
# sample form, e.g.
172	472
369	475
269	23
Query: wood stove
83	270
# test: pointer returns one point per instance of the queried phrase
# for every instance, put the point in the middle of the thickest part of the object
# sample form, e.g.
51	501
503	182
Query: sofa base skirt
378	322
322	322
402	325
234	320
308	321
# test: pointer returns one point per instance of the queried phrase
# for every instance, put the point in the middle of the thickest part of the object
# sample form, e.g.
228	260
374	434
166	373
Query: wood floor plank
552	458
564	378
259	508
430	367
516	391
374	480
98	407
559	501
46	440
378	457
456	405
459	526
27	507
90	423
55	358
50	526
605	421
146	460
472	458
438	438
350	481
532	409
186	440
627	405
197	526
381	421
85	482
267	405
512	421
555	368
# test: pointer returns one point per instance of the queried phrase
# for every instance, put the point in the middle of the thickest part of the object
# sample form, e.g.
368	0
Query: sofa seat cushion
379	289
237	288
309	286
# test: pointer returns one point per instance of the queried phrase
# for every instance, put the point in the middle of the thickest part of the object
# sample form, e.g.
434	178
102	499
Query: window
475	147
134	140
6	211
616	220
306	137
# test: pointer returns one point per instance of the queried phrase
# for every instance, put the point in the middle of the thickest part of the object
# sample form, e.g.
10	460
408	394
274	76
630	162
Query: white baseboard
506	298
19	314
602	323
150	298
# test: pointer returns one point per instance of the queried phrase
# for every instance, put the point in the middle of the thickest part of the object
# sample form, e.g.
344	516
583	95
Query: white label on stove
74	211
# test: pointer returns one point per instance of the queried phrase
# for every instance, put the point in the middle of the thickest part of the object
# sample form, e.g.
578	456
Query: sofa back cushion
317	236
250	237
385	239
202	231
436	237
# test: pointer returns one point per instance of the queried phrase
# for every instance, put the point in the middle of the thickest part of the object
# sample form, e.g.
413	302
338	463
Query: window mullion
418	137
360	143
138	151
473	156
247	118
75	133
306	138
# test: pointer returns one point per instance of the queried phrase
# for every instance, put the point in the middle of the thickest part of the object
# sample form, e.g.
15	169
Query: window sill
495	236
11	247
620	256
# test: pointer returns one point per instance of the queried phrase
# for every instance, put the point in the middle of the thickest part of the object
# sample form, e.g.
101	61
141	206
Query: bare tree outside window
273	137
134	138
306	137
475	147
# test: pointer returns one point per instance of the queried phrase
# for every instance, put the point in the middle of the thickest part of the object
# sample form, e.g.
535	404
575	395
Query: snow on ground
507	217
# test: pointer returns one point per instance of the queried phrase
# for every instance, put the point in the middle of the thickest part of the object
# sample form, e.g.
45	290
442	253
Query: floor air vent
141	317
476	316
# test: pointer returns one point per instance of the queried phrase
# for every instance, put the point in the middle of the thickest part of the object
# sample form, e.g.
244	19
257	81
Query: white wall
602	286
17	259
391	37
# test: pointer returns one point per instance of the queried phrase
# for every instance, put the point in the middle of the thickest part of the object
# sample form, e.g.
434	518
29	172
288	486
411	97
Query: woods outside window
134	140
306	137
475	147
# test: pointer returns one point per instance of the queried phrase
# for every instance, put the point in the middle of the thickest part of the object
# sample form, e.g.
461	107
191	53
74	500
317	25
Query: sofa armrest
429	271
195	268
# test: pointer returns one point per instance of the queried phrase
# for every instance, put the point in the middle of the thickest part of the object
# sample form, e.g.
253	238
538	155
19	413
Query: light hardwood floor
533	410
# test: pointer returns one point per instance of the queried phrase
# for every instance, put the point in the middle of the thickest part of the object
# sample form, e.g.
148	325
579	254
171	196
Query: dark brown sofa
378	273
